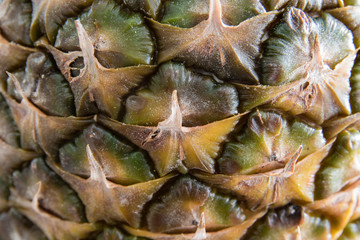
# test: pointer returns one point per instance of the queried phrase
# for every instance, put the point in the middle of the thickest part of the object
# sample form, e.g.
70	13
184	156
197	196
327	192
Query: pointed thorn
95	170
175	119
17	85
87	49
290	165
35	200
200	233
317	51
298	236
215	11
174	99
96	118
84	39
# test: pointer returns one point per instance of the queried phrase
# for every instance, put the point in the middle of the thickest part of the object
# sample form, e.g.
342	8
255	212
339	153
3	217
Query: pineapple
179	119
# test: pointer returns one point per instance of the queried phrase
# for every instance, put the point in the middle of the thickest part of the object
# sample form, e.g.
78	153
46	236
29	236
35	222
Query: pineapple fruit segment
174	119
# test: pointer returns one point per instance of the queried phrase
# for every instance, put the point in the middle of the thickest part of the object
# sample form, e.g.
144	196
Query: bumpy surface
179	119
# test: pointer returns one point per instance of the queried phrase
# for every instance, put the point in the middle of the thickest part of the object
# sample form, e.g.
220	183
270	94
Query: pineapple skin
179	119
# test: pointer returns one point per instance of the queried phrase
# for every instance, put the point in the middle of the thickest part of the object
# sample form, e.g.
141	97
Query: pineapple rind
15	18
187	14
43	84
13	225
188	199
227	44
355	86
122	163
202	100
115	32
341	166
267	143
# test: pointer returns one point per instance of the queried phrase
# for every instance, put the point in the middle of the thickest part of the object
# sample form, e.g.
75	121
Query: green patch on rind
122	163
201	99
120	37
269	138
340	166
295	36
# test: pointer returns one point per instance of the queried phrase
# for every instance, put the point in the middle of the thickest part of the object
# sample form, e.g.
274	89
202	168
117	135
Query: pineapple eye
152	136
76	66
180	119
290	215
195	223
155	134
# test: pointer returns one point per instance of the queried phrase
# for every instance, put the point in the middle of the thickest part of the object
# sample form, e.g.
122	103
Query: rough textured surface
179	119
